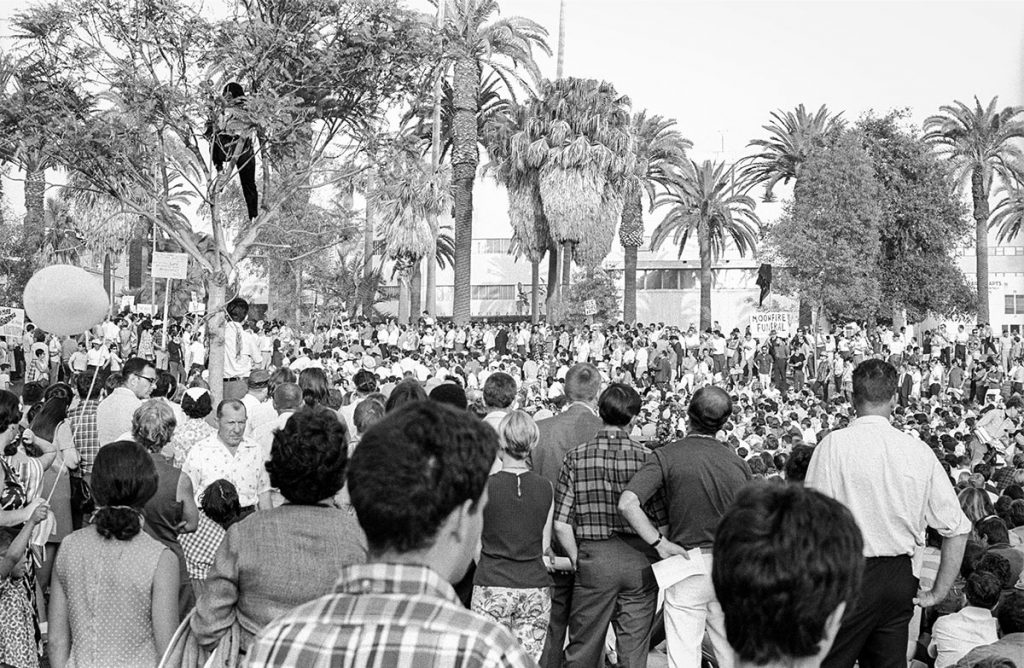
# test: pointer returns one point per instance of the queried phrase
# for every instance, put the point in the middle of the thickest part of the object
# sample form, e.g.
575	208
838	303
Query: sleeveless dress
109	586
163	512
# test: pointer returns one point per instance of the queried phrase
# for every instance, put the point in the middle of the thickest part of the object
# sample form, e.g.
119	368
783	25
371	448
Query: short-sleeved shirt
591	480
892	483
210	460
699	476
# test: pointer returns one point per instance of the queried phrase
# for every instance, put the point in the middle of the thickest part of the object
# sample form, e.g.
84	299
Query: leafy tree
598	286
659	152
981	145
828	236
706	202
1008	216
923	223
474	42
316	73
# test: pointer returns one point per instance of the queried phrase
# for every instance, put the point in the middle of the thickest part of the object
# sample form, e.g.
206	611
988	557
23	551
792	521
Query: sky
720	67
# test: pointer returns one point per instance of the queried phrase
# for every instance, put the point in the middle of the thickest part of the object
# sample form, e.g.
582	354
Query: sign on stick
590	307
170	265
762	324
12	321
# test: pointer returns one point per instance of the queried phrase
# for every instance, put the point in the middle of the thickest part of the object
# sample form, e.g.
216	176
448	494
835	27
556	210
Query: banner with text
170	265
12	323
762	324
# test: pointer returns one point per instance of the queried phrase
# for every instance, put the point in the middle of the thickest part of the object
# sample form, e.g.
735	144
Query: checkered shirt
593	477
384	616
87	436
1003	478
200	546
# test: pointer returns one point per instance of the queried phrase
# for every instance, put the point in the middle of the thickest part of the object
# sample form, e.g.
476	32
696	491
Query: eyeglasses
146	378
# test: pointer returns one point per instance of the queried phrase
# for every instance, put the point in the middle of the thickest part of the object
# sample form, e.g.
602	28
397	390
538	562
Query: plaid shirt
201	546
1003	478
387	615
87	436
593	477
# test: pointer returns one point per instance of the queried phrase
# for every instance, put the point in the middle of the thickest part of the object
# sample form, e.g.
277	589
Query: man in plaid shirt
418	483
613	575
83	420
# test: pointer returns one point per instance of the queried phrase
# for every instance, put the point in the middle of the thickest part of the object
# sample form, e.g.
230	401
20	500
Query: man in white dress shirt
895	487
237	361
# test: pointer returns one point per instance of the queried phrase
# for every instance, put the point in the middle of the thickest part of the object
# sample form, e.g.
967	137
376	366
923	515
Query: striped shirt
383	616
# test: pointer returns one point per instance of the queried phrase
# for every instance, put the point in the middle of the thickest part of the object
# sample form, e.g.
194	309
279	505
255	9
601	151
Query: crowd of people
511	494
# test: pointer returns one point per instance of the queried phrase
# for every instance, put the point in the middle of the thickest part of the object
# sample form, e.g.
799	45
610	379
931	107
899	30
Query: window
492	292
492	246
1014	305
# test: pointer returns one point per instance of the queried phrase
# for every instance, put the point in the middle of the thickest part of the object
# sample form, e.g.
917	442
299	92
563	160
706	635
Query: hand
667	548
38	510
926	598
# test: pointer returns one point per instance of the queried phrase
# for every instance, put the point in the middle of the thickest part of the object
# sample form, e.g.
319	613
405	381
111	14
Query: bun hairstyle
124	478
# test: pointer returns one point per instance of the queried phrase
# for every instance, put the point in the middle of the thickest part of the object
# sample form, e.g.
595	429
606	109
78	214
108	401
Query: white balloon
64	299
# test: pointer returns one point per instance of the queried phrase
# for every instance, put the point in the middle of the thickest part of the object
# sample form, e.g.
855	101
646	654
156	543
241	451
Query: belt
233	379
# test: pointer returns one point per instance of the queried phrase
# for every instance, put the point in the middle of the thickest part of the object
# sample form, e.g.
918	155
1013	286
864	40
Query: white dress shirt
891	482
114	414
953	636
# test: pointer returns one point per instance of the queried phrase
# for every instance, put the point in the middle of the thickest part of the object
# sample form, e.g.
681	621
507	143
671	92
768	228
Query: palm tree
705	201
980	144
792	135
473	42
1008	216
659	150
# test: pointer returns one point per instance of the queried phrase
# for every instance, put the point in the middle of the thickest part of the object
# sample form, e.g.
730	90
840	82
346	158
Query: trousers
691	608
614	584
874	630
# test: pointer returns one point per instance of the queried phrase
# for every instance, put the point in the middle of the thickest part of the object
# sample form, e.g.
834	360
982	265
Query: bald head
709	410
287	397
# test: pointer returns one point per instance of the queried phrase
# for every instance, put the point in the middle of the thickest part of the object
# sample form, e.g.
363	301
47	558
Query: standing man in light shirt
114	414
237	361
895	487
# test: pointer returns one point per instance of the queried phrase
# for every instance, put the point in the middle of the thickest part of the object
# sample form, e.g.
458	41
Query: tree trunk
979	192
566	268
554	256
403	296
705	277
464	162
3	174
535	292
806	312
108	283
367	260
560	67
416	290
35	204
431	300
297	268
629	285
215	332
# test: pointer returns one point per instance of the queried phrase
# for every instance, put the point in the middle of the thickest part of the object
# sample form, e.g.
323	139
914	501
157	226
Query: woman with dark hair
280	377
114	600
277	559
172	510
147	349
196	406
407	391
315	387
50	432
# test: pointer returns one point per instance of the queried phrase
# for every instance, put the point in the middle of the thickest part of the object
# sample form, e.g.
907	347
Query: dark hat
259	378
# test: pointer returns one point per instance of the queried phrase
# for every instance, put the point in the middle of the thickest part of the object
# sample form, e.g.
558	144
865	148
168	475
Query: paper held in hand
677	568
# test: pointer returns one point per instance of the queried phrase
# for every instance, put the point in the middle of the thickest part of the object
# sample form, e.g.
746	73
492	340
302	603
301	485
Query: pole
435	163
167	303
152	299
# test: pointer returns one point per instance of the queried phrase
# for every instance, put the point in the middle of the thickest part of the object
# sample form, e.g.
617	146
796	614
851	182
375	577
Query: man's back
560	434
891	482
387	615
114	415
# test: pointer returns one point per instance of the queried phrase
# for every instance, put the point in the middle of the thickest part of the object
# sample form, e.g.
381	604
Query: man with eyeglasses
114	414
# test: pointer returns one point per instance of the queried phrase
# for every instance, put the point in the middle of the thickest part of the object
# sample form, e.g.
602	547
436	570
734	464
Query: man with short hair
895	487
228	454
574	426
1011	646
114	413
258	408
699	476
399	609
499	395
787	564
237	362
